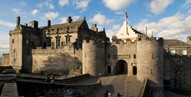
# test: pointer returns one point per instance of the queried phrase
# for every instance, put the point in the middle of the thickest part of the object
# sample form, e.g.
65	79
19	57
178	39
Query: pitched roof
136	31
175	42
72	24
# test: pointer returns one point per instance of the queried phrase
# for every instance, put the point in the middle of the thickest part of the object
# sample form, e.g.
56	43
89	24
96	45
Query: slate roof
175	42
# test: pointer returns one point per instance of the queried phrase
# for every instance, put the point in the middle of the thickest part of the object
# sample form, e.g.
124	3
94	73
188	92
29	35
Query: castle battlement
5	54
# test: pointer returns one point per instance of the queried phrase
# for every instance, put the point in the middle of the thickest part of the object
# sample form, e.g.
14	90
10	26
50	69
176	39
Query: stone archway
121	67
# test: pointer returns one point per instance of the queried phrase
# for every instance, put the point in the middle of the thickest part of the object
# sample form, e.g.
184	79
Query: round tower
93	58
150	63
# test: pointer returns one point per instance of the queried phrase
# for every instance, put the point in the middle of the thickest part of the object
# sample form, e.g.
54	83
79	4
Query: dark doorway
134	70
109	69
44	45
121	67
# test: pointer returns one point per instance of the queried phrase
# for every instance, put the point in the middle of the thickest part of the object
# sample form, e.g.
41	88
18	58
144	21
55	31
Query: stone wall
5	60
122	51
181	72
150	61
16	49
56	60
93	57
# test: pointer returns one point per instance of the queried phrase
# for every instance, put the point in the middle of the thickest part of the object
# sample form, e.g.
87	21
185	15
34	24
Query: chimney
69	20
33	24
18	21
94	28
49	23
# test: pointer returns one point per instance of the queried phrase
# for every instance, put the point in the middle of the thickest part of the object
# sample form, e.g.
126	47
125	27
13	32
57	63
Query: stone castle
73	46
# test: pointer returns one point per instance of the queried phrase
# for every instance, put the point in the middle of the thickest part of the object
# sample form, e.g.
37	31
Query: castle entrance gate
121	67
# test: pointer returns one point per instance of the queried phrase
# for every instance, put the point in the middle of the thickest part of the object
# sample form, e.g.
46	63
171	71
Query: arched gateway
121	67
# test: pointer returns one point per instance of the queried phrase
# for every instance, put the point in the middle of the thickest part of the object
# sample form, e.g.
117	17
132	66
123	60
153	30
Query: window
151	70
52	44
15	55
14	60
27	41
134	56
173	52
184	52
62	43
32	44
134	70
13	40
108	56
57	41
67	38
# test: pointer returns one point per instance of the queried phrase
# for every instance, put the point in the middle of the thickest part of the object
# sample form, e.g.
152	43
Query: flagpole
126	22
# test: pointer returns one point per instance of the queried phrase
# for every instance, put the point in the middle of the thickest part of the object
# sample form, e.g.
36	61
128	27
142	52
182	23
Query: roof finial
152	34
146	30
84	17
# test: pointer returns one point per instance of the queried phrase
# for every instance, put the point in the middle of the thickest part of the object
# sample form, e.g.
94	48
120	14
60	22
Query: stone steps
9	90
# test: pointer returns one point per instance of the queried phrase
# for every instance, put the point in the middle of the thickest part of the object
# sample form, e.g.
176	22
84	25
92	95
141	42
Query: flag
126	16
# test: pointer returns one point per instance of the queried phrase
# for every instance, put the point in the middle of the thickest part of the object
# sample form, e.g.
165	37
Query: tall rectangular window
13	40
15	54
173	52
57	40
134	56
184	52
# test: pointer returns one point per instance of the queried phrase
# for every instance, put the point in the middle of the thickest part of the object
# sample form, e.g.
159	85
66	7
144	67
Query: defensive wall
55	60
5	60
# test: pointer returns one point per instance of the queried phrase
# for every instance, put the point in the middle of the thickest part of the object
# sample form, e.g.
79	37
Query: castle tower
150	64
15	49
93	57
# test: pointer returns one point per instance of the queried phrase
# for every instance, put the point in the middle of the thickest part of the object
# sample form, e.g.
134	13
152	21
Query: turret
150	53
93	57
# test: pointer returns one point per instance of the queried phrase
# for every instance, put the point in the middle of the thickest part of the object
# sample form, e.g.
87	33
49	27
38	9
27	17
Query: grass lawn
185	93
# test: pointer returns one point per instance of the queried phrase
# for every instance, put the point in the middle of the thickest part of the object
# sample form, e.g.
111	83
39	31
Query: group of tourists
50	78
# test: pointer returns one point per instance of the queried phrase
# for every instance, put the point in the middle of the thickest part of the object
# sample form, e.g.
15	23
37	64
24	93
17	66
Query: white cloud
81	4
34	12
63	2
4	43
22	3
168	27
187	3
117	4
64	19
17	11
111	32
51	15
158	6
101	19
8	24
47	3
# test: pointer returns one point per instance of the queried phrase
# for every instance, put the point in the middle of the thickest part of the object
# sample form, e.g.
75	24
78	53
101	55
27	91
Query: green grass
185	93
30	75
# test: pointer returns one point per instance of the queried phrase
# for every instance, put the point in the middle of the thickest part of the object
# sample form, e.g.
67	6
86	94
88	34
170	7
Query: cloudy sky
165	18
